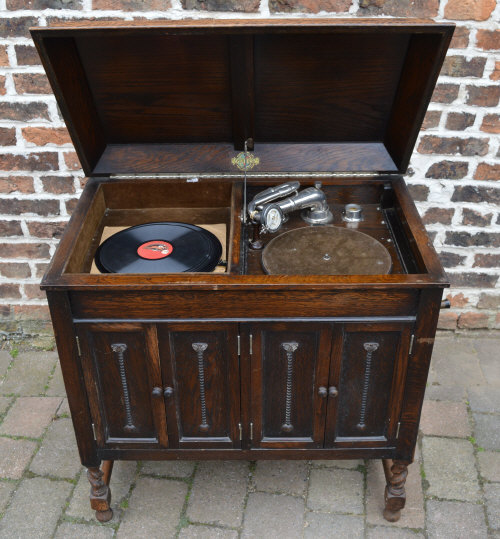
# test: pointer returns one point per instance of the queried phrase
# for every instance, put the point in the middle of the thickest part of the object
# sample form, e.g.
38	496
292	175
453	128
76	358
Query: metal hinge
78	346
239	345
412	339
251	431
93	431
190	177
241	431
397	430
251	344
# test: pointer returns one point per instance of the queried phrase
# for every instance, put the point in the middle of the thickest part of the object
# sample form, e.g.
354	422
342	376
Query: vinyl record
159	248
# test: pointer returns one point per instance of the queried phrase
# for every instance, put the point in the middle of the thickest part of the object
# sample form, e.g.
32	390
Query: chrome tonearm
271	213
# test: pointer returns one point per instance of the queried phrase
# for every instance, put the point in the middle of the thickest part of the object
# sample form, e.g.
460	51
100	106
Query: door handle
333	391
322	391
157	392
168	392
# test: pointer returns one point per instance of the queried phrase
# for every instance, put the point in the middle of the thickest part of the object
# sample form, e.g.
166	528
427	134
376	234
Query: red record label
154	250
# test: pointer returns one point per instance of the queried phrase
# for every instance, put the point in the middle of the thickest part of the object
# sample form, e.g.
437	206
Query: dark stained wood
100	494
395	496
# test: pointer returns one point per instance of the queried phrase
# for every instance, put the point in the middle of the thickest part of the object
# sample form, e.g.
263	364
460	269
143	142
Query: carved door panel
123	378
201	372
289	377
368	372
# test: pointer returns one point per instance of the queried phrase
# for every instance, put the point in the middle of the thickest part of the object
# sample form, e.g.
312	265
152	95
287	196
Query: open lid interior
314	95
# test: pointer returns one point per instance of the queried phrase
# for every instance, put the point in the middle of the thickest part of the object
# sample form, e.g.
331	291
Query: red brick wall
453	175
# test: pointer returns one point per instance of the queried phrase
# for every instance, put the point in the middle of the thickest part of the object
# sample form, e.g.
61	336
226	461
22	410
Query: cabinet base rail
396	472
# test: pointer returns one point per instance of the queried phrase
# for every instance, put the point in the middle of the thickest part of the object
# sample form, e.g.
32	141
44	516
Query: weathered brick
17	26
438	215
399	8
451	170
9	291
472	280
459	66
483	96
488	39
450	260
473	321
419	192
4	57
24	250
46	230
40	270
58	184
445	93
463	10
460	38
3	90
488	301
486	261
131	5
24	112
466	239
431	119
458	121
71	205
7	136
474	218
71	160
44	4
31	161
22	184
487	172
447	320
45	135
491	123
458	300
10	228
15	270
495	75
31	312
247	6
453	145
31	83
471	193
27	55
15	206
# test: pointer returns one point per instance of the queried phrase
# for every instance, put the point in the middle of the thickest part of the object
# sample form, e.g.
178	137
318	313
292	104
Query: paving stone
35	508
450	469
206	532
484	399
63	409
487	431
455	362
327	525
154	510
268	516
218	493
412	516
381	532
56	384
168	468
68	530
348	464
487	351
489	465
492	495
123	476
457	520
14	457
5	359
6	489
438	392
30	416
58	454
339	491
283	476
443	418
5	403
29	374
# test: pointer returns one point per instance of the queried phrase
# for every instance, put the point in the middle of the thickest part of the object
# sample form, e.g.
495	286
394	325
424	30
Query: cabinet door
289	374
122	373
201	371
368	374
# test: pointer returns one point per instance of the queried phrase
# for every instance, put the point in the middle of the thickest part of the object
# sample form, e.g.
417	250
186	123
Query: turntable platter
326	250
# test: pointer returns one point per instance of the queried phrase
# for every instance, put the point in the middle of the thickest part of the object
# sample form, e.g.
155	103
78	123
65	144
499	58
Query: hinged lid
182	96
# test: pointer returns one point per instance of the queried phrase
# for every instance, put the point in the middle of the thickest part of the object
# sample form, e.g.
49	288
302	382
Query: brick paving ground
453	488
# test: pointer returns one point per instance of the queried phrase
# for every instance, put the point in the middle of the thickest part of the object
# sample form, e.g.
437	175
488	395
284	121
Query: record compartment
242	364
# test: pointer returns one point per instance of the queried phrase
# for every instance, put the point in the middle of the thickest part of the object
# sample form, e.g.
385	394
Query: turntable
310	335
